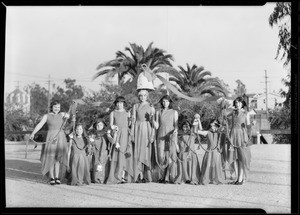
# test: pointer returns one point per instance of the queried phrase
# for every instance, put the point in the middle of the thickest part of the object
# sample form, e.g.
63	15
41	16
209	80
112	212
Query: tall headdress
145	79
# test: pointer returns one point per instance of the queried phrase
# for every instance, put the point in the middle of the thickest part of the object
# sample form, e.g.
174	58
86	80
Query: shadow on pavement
24	170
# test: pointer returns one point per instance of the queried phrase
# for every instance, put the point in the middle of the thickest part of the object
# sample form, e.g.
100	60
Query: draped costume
100	164
211	169
80	167
56	147
122	158
189	165
143	138
166	149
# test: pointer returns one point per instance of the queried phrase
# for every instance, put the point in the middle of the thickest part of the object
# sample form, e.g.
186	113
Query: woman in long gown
166	123
121	164
143	131
211	169
239	152
80	165
189	165
55	153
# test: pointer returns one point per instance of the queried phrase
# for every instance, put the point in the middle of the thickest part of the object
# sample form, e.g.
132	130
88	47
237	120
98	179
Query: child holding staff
189	165
55	153
121	165
211	169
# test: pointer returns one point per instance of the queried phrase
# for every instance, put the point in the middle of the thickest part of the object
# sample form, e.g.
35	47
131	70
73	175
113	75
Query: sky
58	42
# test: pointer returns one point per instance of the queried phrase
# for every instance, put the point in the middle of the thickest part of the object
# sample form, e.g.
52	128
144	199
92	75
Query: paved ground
268	187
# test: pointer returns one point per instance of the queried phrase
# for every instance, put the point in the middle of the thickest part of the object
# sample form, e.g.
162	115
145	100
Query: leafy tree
281	119
287	93
130	65
38	101
195	81
240	89
15	119
281	16
66	97
207	111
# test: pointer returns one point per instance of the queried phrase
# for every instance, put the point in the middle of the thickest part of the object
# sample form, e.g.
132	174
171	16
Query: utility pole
49	94
266	82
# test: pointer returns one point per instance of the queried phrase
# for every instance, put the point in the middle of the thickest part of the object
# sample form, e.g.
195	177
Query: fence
274	131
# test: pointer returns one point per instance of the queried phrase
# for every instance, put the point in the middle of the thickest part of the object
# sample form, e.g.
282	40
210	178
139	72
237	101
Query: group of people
145	145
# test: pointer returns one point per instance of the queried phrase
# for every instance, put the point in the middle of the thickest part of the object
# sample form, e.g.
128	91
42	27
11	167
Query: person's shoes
144	180
161	181
52	181
57	181
239	183
233	182
123	181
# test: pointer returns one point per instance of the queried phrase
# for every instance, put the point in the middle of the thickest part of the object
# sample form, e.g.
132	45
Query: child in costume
189	165
100	151
211	169
80	149
121	165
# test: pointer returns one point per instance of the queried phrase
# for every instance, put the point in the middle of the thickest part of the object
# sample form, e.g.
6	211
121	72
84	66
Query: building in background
258	101
19	98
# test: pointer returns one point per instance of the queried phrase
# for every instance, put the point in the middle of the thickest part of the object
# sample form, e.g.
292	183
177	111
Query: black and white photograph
165	107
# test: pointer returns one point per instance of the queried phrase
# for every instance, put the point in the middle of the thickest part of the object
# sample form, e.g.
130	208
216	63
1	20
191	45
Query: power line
36	76
26	75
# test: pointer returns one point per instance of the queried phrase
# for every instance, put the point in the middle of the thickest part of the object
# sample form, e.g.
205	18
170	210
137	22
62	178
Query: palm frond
148	50
111	63
103	72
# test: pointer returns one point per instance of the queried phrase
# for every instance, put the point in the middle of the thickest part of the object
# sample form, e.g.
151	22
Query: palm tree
130	65
195	81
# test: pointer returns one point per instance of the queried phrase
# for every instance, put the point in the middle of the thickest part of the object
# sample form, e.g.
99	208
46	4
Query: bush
281	119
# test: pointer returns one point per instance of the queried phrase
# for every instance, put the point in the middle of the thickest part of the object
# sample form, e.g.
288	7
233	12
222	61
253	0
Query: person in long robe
121	164
143	132
166	123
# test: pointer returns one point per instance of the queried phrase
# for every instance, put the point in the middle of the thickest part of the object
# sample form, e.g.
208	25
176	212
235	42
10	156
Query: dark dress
166	149
80	168
56	147
211	169
189	165
142	142
122	158
100	164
